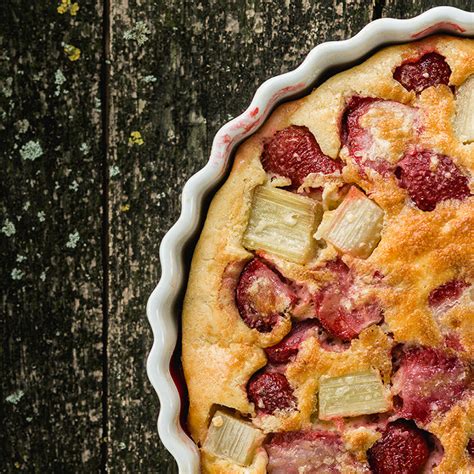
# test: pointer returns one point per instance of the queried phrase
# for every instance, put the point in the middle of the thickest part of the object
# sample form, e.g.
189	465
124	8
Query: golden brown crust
418	252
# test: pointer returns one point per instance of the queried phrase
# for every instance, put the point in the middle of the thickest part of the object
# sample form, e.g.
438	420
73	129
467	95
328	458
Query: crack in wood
105	203
377	10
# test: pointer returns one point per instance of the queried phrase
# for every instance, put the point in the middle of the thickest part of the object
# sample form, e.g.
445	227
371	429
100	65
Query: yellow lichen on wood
72	52
135	138
68	6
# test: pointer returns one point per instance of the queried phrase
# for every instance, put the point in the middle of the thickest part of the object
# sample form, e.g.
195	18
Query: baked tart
328	323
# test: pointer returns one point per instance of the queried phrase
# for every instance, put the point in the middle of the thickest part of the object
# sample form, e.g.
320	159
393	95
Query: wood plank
407	9
197	67
180	71
50	323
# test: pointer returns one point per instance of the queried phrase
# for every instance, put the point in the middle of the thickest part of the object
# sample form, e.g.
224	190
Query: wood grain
208	58
50	308
407	9
178	71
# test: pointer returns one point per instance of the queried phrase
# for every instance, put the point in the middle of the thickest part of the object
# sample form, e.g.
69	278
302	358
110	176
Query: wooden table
105	113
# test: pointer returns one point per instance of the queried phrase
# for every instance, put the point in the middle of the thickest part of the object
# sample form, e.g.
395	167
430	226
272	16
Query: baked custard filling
328	323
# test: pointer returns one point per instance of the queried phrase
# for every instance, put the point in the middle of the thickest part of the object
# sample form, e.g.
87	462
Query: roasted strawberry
310	452
470	447
369	142
428	382
356	138
403	449
430	178
289	345
337	308
294	153
452	341
429	70
355	108
447	293
270	391
262	297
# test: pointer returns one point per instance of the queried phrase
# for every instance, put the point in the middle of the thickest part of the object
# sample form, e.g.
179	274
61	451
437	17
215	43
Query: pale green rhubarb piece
464	119
360	393
282	223
355	226
232	438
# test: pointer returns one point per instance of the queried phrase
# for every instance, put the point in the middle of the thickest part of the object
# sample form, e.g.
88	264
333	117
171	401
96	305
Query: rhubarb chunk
282	223
355	226
464	120
354	394
232	438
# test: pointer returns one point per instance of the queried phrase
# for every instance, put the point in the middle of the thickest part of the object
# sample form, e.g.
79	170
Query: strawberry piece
288	438
430	178
350	126
294	153
261	296
270	391
403	449
356	138
309	452
447	294
337	308
428	382
429	70
470	447
364	145
452	341
288	347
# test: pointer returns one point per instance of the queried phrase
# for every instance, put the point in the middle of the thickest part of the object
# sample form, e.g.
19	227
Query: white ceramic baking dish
164	303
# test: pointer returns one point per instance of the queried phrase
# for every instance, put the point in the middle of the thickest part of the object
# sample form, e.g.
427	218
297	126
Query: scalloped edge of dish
161	315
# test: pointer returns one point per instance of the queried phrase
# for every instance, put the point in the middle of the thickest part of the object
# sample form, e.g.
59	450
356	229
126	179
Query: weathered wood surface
74	333
50	244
